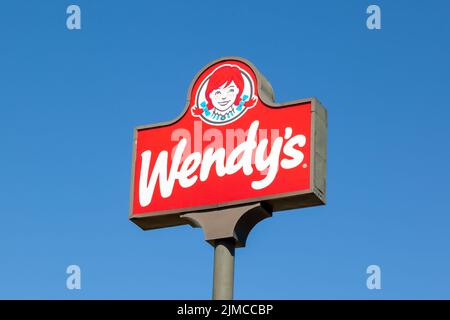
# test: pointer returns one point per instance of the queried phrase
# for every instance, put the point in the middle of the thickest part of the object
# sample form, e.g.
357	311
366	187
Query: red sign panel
231	145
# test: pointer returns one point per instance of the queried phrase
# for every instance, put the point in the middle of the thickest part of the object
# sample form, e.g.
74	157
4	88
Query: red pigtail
196	111
251	103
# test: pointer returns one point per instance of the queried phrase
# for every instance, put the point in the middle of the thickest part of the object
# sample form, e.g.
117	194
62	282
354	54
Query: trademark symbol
305	166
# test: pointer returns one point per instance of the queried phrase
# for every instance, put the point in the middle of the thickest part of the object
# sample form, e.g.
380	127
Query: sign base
233	223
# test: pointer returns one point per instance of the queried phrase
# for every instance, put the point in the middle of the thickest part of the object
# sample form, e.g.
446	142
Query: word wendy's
285	151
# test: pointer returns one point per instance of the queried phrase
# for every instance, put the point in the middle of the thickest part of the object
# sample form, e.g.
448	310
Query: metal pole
223	269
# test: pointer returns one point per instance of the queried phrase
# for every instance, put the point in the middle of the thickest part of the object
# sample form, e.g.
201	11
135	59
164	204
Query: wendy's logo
224	95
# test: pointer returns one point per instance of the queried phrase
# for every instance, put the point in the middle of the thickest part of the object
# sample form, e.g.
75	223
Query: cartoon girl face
224	97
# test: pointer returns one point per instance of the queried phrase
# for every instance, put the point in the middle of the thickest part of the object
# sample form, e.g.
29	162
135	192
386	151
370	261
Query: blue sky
69	101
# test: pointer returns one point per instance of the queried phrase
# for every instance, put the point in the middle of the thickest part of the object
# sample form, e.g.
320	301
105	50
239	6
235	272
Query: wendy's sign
231	145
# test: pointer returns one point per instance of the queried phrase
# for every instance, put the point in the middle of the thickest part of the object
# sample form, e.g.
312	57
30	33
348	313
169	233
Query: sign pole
227	229
223	282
